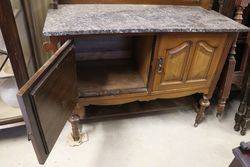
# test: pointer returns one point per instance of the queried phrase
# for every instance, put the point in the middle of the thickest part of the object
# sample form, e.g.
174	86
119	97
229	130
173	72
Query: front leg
204	103
80	111
238	119
239	116
76	116
74	120
243	126
225	85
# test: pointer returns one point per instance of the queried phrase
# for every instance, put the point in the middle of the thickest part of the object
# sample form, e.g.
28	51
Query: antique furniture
115	53
234	69
242	155
242	117
14	49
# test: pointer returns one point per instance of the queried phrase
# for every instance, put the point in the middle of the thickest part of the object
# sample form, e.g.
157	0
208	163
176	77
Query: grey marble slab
2	43
106	19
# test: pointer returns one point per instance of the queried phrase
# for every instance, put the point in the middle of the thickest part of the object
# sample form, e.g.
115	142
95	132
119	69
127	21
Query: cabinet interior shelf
108	77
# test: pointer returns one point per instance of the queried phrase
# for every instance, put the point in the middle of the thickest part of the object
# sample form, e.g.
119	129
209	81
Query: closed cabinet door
186	61
47	99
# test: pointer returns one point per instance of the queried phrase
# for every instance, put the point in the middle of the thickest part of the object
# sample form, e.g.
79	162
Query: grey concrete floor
164	140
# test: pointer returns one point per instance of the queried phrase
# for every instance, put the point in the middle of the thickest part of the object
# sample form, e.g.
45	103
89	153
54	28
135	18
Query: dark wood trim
12	42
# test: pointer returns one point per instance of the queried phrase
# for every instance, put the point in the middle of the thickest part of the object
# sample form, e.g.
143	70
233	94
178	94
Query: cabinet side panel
143	54
228	44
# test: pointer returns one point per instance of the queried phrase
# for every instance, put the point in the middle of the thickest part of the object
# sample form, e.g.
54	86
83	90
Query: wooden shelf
108	77
97	113
9	116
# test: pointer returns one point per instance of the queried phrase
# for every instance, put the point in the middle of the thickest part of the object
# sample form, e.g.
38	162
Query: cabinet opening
112	65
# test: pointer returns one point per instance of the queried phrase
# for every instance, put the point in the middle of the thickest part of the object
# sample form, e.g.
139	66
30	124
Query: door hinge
160	65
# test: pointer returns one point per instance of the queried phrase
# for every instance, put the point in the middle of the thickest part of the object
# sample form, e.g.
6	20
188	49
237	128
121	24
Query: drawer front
185	60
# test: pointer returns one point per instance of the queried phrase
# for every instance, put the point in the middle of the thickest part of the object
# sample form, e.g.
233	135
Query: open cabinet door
48	98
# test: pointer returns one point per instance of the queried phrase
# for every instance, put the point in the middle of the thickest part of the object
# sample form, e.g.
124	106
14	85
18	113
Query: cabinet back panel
103	47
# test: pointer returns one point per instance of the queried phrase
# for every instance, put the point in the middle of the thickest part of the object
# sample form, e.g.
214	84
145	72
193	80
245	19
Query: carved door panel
48	98
185	60
205	59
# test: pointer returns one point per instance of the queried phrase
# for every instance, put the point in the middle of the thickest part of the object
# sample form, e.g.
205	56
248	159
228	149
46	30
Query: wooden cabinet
182	64
187	61
121	54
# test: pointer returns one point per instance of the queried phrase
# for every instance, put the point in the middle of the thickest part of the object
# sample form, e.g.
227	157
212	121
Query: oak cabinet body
116	54
140	68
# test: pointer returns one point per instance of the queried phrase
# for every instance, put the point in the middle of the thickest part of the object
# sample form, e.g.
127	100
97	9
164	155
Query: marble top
80	19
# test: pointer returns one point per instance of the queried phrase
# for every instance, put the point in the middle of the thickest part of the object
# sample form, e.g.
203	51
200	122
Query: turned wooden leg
221	4
74	120
80	111
204	103
225	85
243	127
221	107
229	70
238	120
239	116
